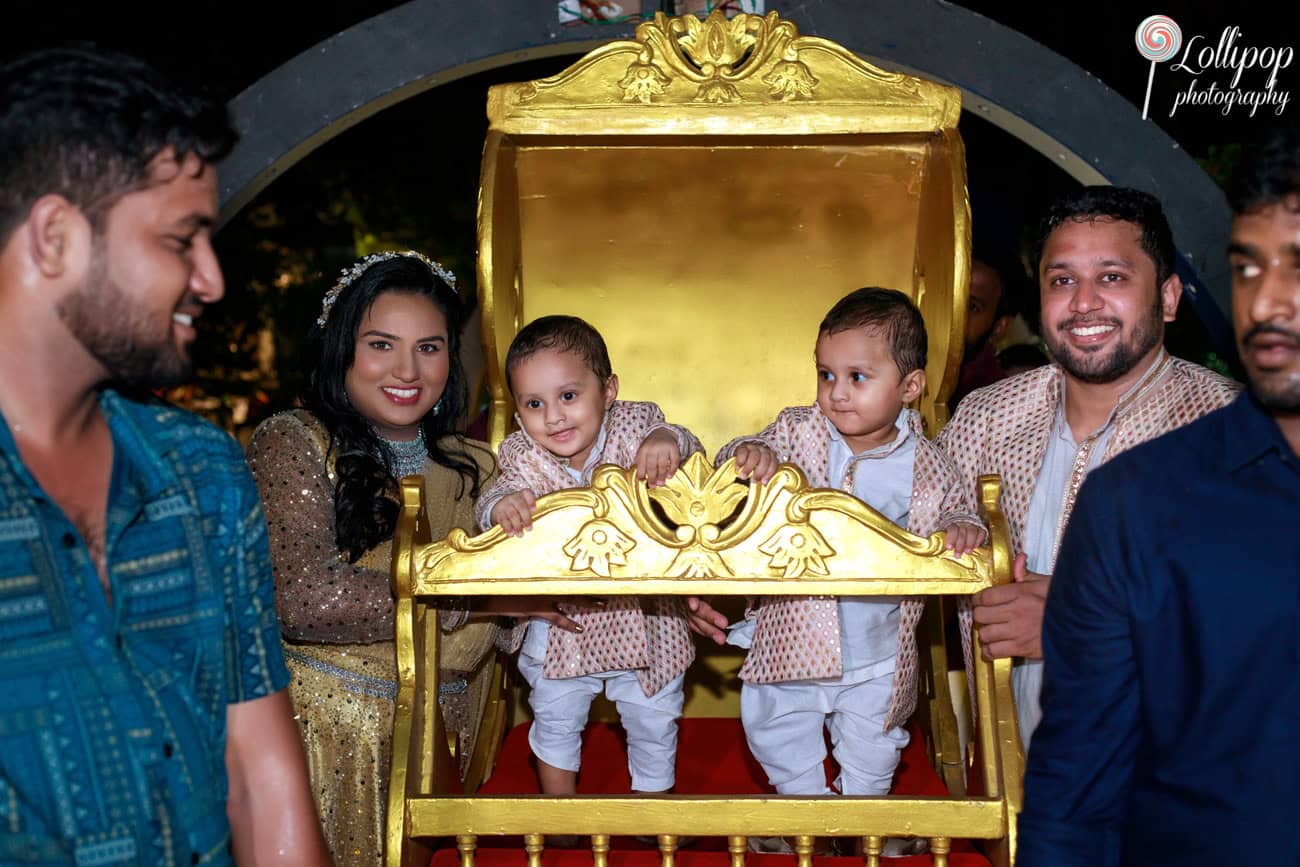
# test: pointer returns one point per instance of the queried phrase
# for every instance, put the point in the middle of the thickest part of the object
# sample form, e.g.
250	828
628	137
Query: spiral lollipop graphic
1158	39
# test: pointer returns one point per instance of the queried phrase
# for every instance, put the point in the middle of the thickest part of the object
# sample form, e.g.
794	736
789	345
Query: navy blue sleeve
1080	764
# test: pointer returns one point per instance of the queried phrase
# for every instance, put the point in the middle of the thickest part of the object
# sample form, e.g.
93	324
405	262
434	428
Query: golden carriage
702	194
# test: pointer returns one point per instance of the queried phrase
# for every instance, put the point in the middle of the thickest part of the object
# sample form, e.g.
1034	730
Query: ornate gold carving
717	43
798	549
643	82
717	53
783	538
791	79
717	60
697	496
597	546
699	563
701	525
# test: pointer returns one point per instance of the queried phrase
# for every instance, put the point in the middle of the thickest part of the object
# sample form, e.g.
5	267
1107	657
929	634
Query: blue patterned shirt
113	716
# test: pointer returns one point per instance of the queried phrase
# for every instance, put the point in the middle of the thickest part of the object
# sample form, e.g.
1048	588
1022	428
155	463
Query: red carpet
712	759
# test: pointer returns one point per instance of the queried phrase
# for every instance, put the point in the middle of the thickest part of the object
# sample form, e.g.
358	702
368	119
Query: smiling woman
386	393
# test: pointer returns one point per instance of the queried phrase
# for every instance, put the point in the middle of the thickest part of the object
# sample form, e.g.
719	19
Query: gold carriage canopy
703	195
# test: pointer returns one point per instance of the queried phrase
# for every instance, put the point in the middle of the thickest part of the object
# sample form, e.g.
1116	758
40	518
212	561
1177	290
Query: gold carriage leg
938	718
492	727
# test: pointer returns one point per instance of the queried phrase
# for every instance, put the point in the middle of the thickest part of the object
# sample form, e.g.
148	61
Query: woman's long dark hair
366	500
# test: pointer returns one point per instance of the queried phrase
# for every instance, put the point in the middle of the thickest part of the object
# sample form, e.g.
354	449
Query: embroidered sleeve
940	495
962	440
511	477
779	436
653	420
320	597
511	637
957	504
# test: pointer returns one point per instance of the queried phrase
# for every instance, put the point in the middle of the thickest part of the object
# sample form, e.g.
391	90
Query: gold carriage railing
702	533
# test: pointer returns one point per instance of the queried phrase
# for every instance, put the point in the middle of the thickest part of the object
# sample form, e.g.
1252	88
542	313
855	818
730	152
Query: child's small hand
514	512
755	461
962	538
658	457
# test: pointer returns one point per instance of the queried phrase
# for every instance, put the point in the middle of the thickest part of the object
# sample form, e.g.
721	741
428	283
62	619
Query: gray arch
421	44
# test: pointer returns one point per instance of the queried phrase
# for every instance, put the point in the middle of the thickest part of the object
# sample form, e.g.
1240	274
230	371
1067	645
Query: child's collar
908	423
597	448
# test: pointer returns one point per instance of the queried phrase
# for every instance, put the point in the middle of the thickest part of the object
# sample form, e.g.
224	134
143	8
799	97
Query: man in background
1105	265
997	299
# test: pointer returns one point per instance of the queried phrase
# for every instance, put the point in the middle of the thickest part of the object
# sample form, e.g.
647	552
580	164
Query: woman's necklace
407	456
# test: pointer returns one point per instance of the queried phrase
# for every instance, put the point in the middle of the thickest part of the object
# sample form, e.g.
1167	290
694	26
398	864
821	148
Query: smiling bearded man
1105	267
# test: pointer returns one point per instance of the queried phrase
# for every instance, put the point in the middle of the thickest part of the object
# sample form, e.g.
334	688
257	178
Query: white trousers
784	727
560	708
1026	688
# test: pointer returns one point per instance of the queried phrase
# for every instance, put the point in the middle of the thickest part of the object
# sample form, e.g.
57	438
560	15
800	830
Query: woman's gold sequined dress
337	623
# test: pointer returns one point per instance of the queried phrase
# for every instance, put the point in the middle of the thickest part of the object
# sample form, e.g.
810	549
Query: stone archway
421	44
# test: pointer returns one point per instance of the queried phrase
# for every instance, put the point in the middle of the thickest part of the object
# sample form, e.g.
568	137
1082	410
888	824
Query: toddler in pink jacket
635	650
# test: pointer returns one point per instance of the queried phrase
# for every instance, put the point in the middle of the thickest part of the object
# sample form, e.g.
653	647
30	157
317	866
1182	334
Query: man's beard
1099	367
122	333
1274	389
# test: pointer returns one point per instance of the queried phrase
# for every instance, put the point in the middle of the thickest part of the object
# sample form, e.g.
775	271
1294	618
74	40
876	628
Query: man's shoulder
170	428
1006	395
989	416
1201	383
1169	457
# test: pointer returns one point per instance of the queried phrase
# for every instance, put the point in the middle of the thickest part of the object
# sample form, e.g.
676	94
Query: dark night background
410	174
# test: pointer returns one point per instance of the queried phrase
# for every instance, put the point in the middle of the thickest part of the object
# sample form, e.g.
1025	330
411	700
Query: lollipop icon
1158	39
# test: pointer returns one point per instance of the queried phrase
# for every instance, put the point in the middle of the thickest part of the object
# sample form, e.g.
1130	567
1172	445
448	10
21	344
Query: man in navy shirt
143	713
1171	727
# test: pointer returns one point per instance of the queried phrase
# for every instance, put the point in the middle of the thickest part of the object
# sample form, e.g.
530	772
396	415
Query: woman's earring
437	407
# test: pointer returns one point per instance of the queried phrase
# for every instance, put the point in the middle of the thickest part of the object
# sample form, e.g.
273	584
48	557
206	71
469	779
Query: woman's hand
554	610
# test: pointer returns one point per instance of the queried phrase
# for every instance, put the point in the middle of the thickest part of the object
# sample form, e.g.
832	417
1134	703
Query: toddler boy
634	650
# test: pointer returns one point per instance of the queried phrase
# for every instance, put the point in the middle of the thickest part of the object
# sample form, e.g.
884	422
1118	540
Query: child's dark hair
565	333
889	312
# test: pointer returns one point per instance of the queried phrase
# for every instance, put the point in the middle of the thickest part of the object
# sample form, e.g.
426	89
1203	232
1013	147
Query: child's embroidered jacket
797	637
647	635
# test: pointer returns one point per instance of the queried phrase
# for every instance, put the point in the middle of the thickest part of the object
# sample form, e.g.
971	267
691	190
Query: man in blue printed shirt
1171	703
143	716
